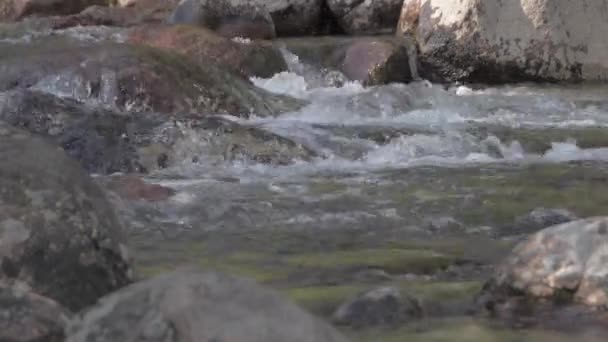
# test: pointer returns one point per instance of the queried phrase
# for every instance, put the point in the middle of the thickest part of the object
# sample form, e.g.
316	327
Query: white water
438	114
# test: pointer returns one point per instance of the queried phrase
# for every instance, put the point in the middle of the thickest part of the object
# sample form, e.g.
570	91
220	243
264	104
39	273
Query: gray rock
58	232
26	316
566	262
366	17
188	306
231	18
381	306
106	141
541	218
495	41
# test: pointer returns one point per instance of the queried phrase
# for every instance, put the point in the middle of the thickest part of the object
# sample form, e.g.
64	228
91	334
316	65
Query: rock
203	46
371	60
381	306
365	16
192	306
26	316
102	141
566	262
105	141
540	218
11	10
132	78
506	41
295	17
58	232
230	18
132	187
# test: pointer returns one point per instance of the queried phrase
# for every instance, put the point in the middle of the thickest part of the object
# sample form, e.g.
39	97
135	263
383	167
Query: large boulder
500	41
563	262
230	18
249	58
132	78
106	141
11	10
58	232
28	317
366	17
187	306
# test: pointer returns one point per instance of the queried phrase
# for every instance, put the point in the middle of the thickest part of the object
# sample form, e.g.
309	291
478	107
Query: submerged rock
11	10
58	233
132	78
381	306
26	316
132	187
192	306
230	18
566	262
541	218
504	41
366	17
249	58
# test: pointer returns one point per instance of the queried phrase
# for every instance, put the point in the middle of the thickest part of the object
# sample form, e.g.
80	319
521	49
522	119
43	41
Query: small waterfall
412	53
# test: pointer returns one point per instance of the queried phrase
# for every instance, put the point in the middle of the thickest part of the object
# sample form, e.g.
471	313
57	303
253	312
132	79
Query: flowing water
417	185
414	185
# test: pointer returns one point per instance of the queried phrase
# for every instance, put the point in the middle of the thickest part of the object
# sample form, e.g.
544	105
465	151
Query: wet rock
102	141
136	13
366	17
248	19
26	316
203	46
371	60
377	62
504	41
381	306
563	263
193	306
11	10
106	141
541	218
58	232
132	78
132	187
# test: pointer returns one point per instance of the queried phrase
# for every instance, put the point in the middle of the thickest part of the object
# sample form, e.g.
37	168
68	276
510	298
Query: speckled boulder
58	232
497	41
566	261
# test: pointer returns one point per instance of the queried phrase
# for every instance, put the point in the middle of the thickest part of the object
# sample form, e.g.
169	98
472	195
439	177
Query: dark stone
191	306
105	141
28	317
229	18
381	306
58	232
